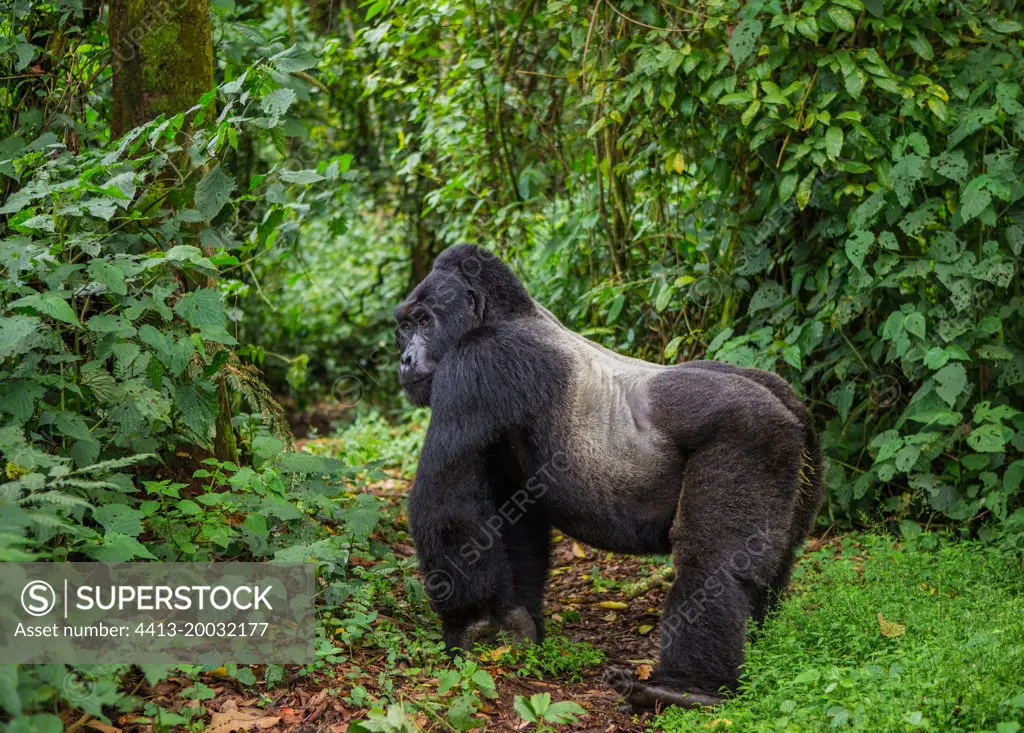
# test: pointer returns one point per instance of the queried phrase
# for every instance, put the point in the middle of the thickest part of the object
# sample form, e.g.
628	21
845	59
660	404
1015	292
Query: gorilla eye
423	319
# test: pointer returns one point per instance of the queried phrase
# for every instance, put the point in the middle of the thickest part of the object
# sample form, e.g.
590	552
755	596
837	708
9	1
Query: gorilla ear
477	300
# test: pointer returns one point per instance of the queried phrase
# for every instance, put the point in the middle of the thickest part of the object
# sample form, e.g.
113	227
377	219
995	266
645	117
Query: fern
58	498
246	380
114	464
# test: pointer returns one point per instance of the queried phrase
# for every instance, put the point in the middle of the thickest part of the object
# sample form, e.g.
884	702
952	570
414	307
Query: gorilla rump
533	426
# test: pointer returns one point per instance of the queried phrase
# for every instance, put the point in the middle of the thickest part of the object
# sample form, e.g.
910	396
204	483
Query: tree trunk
163	63
162	58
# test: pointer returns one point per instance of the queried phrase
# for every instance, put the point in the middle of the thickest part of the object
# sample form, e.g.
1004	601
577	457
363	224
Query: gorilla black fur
534	427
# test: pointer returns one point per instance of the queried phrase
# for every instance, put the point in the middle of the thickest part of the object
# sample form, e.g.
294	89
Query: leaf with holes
975	198
858	246
952	164
744	38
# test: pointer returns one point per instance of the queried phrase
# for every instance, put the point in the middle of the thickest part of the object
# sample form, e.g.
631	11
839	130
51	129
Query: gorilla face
431	321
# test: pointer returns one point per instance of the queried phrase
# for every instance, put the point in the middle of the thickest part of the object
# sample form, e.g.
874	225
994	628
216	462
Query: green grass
823	662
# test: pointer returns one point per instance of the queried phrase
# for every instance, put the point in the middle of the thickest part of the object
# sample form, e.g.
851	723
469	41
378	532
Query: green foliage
944	655
539	710
825	190
395	720
556	657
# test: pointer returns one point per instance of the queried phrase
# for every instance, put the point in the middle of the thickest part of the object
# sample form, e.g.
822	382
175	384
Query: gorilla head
446	307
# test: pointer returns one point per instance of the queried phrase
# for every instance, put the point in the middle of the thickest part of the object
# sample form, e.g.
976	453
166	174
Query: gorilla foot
521	624
649	694
517	623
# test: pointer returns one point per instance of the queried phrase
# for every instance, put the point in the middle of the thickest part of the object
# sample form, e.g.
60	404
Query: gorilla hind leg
729	544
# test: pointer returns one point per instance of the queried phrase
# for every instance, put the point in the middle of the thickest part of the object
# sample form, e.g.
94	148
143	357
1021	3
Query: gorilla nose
406	361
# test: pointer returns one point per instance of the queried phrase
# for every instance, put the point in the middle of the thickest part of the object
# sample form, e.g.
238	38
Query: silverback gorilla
533	426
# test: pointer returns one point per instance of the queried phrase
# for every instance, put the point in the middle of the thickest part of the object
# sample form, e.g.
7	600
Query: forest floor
922	633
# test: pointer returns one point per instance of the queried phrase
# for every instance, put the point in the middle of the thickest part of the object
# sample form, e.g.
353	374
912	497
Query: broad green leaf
304	176
664	297
842	397
914	323
294	59
748	114
787	184
119	547
989	438
805	189
907	458
875	7
736	98
842	17
106	272
48	304
672	349
447	680
119	518
202	307
975	198
10	700
213	191
744	37
921	47
950	382
833	141
615	309
189	508
768	296
15	332
277	102
857	247
854	82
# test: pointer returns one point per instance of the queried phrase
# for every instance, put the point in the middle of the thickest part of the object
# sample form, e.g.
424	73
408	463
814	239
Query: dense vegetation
193	254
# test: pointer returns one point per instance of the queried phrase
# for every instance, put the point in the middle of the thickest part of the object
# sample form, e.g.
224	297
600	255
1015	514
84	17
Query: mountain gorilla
534	427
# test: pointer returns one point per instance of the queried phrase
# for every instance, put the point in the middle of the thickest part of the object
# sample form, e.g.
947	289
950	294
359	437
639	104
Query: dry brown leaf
103	727
890	629
243	719
613	605
644	671
492	655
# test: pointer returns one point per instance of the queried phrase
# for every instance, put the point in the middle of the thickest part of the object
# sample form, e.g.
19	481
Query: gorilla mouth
414	382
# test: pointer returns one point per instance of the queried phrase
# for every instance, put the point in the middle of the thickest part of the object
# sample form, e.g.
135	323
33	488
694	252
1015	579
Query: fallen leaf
644	671
614	605
890	629
492	655
103	727
716	722
609	617
243	719
645	629
577	550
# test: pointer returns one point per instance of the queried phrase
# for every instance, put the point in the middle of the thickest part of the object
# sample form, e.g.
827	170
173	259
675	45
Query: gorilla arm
466	574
